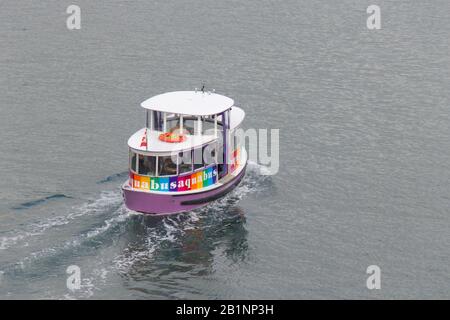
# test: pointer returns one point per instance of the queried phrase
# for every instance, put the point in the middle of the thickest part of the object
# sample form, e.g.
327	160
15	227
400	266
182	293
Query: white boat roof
189	103
237	115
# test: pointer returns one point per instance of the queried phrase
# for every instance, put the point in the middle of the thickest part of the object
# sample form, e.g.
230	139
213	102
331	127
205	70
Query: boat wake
106	201
30	204
105	239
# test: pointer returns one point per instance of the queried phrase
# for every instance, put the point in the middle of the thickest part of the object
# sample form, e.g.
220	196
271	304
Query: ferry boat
187	155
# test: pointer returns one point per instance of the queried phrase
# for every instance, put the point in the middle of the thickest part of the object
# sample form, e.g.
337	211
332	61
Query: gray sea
364	175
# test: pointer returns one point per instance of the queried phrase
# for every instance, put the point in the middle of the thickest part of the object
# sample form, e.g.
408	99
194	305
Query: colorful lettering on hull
193	181
140	182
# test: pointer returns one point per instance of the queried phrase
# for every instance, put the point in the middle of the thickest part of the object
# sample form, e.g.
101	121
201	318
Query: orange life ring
172	137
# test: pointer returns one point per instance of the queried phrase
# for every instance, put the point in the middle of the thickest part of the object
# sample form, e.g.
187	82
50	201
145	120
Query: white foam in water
6	242
85	291
106	199
123	215
175	226
170	230
128	258
258	168
109	223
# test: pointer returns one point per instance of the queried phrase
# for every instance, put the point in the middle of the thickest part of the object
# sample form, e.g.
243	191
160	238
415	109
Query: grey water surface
364	174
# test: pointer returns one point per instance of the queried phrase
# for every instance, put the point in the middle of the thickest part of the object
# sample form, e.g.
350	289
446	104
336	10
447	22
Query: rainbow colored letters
192	181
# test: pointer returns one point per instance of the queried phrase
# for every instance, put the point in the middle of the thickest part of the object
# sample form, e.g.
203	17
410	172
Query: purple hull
153	203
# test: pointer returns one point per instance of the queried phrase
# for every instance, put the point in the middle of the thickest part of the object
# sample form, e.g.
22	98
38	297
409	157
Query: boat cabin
188	143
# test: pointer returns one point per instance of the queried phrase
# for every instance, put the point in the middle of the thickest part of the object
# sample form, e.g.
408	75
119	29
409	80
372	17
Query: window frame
136	161
137	165
204	165
166	175
178	164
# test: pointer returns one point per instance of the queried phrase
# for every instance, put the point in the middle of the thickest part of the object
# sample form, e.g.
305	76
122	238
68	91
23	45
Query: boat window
184	162
209	154
219	148
221	167
198	158
133	161
173	124
166	166
198	124
189	125
208	125
147	165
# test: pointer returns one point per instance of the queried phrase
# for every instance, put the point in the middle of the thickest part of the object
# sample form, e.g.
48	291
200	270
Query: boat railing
164	165
185	124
